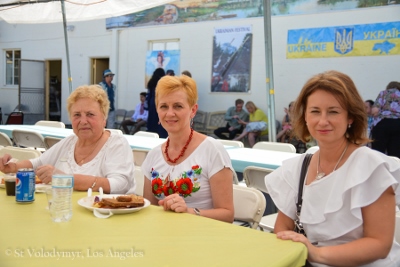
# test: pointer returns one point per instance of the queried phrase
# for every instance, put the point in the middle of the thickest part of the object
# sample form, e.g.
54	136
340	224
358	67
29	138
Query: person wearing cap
110	88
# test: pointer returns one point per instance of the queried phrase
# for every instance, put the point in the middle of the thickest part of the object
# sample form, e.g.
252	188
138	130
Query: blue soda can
25	186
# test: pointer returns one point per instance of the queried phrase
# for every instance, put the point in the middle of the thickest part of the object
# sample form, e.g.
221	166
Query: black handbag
298	226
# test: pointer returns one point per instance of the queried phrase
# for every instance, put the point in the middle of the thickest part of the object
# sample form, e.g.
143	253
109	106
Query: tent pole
66	46
269	72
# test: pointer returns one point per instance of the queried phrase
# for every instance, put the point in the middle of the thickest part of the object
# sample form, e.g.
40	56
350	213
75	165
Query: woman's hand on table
45	173
296	237
173	202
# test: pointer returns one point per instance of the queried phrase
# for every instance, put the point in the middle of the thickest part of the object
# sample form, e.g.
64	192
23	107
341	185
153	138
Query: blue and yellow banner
379	39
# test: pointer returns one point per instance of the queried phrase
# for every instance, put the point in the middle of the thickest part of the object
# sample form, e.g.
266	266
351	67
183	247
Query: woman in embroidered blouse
350	191
256	115
190	172
89	152
386	129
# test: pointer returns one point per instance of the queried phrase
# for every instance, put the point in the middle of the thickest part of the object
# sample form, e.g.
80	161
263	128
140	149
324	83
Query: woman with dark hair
386	129
344	209
153	124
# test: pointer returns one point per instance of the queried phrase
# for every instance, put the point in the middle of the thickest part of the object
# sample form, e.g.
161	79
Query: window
12	66
164	45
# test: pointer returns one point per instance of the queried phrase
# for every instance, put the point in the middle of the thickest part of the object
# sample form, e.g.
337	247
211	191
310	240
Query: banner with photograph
378	39
166	59
231	59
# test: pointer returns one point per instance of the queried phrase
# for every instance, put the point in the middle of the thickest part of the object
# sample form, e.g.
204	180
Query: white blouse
114	161
331	210
195	171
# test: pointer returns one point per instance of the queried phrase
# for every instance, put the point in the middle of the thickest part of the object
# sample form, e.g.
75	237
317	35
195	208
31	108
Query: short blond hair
94	92
170	84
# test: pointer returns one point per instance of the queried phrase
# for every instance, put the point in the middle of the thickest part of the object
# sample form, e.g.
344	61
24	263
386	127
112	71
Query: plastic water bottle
62	187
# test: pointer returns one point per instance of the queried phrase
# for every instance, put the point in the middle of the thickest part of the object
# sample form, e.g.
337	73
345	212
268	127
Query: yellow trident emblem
344	40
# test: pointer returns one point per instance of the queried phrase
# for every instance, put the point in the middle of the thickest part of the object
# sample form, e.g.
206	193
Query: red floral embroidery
157	186
169	188
184	186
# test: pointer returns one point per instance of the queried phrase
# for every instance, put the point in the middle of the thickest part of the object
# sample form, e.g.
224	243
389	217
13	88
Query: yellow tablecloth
150	237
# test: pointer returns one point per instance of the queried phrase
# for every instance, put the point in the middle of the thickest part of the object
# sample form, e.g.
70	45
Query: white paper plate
87	202
41	188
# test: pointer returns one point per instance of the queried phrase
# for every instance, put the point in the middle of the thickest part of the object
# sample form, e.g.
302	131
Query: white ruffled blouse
331	210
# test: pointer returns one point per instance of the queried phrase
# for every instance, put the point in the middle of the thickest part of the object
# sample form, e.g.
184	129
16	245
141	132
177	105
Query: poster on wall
231	59
166	59
378	39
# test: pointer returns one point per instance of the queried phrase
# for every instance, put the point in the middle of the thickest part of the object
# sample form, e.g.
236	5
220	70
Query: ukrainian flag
377	39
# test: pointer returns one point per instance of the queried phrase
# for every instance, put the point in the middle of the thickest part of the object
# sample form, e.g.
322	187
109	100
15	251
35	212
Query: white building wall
92	40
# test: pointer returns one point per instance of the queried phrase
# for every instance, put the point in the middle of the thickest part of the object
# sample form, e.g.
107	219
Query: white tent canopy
52	11
49	11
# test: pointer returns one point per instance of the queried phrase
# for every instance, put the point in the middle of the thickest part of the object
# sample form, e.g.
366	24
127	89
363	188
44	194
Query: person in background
386	129
190	172
350	191
138	119
285	134
257	126
87	151
110	89
153	122
170	73
368	108
187	73
232	116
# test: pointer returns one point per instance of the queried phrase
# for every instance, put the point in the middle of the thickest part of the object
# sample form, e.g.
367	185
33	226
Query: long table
134	141
241	157
149	237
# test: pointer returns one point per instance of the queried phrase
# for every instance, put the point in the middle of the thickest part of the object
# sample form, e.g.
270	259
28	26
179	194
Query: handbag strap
304	167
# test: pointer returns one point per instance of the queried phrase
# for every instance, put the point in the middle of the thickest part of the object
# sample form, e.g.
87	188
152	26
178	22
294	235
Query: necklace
321	175
182	151
91	152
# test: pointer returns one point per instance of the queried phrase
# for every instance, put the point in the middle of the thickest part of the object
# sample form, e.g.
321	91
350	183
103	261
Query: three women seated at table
90	153
350	191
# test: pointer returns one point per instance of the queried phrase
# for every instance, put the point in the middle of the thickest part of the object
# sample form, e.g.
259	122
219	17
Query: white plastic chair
20	153
147	134
312	150
24	138
139	156
5	140
254	177
55	124
249	205
50	141
139	179
115	131
275	146
231	143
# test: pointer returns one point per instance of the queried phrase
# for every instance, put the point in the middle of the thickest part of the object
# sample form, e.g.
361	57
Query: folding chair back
5	140
24	138
15	117
55	124
275	146
249	205
20	153
50	141
147	134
